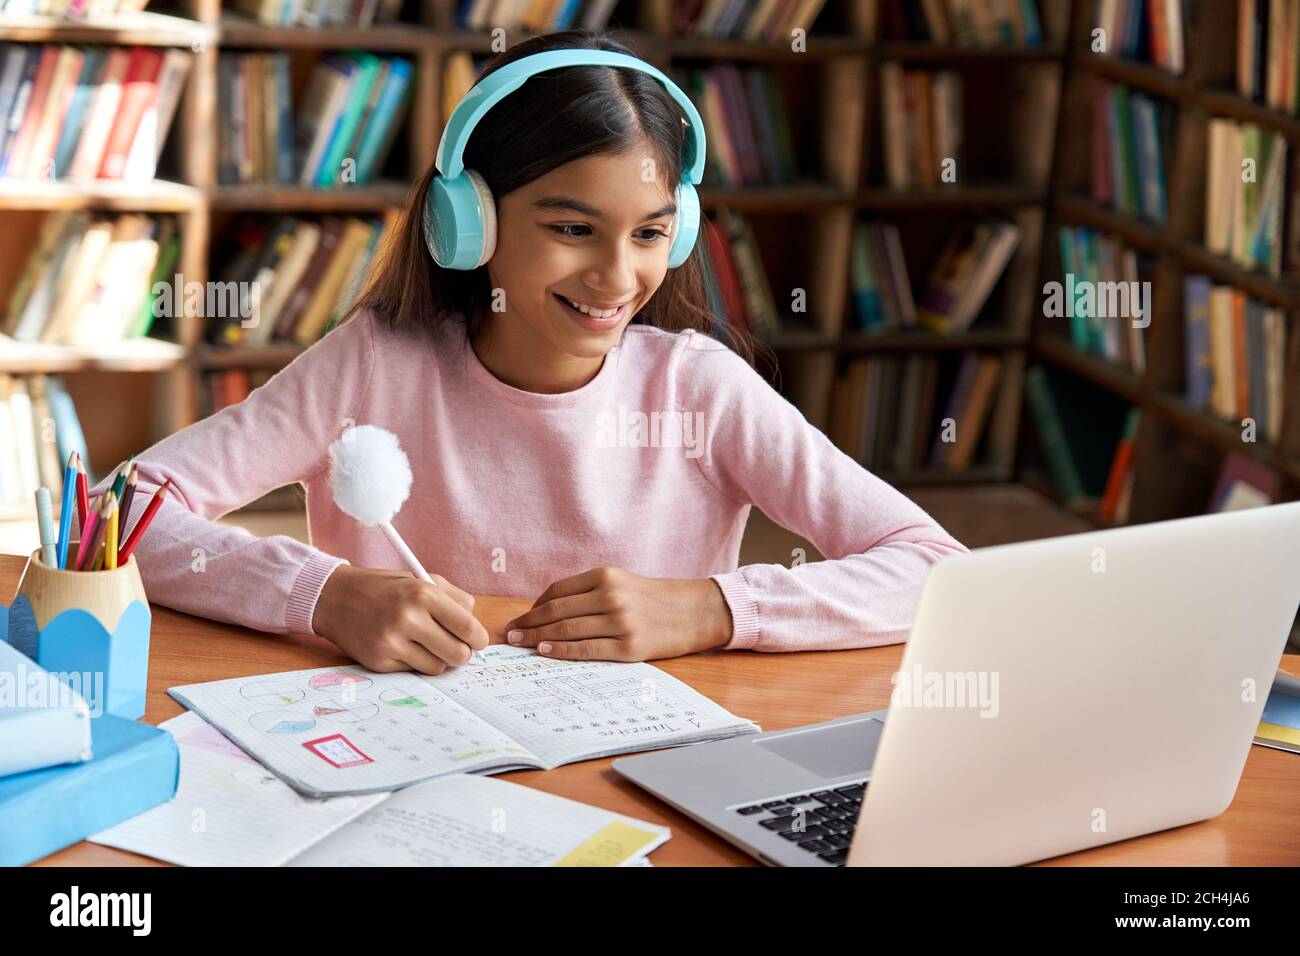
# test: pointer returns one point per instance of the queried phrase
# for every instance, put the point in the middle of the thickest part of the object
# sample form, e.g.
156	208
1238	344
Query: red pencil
83	493
154	504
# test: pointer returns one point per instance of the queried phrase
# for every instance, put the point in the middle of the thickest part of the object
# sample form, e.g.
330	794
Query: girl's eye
649	235
563	230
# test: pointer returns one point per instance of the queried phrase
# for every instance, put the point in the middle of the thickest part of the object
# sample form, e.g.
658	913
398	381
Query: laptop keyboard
820	821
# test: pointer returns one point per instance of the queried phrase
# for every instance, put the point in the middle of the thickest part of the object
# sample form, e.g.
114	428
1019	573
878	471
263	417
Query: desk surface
1261	828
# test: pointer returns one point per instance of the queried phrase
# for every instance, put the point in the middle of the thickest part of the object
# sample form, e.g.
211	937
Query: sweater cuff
306	590
744	610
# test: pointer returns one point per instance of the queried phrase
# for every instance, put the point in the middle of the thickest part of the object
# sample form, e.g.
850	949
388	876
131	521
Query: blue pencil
69	506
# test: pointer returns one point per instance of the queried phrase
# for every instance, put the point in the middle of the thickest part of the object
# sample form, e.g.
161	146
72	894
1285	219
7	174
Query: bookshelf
804	230
1179	448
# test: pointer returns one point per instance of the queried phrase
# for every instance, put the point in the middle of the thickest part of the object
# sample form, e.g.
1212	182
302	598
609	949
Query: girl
517	389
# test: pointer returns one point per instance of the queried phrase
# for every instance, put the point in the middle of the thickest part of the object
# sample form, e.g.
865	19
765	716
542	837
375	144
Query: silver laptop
1053	696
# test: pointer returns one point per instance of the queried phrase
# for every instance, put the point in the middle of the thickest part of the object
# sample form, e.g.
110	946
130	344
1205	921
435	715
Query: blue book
1196	308
135	767
92	70
378	134
67	426
564	19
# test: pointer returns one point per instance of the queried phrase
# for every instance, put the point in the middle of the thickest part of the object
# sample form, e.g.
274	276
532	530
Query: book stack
746	122
539	16
1268	42
735	281
963	22
770	21
92	279
881	289
92	112
972	260
320	13
1244	185
1147	30
302	275
1128	159
893	415
341	133
922	115
230	386
39	430
1104	297
1236	354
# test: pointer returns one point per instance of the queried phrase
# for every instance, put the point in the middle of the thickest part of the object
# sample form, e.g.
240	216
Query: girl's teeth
596	313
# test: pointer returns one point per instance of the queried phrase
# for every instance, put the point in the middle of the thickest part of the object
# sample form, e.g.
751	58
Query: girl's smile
595	318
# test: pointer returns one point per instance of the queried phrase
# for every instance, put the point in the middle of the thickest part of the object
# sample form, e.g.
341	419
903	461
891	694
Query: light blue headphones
460	220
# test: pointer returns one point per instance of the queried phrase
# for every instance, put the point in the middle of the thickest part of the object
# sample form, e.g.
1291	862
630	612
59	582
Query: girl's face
592	232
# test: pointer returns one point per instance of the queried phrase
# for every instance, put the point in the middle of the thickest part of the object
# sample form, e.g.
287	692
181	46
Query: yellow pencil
110	536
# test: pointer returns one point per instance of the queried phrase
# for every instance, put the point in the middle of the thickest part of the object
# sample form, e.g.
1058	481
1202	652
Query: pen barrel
407	556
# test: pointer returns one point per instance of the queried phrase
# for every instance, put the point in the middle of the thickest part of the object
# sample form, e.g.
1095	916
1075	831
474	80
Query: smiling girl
501	382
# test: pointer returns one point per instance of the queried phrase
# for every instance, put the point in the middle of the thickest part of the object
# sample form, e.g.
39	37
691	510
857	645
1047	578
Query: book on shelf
39	429
230	387
973	258
1130	133
340	133
1244	185
1151	31
1118	494
1243	483
961	22
891	414
770	21
1268	43
302	275
71	9
1235	355
921	112
735	282
747	122
540	16
320	13
1105	294
85	113
879	284
91	279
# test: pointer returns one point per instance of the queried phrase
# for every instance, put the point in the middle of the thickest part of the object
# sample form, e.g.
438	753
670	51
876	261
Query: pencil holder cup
87	627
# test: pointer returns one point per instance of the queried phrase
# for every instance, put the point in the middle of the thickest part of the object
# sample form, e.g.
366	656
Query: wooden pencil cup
92	624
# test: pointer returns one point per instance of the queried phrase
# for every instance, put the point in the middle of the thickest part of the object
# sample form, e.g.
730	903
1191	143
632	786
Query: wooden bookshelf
841	62
1178	448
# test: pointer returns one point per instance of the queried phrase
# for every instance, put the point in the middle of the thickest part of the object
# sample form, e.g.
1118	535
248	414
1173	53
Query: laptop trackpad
838	750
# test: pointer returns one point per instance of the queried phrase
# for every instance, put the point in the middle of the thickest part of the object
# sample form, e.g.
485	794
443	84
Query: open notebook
347	730
228	811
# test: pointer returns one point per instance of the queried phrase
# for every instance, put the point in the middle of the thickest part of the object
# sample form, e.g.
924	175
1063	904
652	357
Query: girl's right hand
393	621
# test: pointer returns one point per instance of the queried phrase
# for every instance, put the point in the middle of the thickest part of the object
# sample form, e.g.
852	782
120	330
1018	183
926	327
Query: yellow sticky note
608	846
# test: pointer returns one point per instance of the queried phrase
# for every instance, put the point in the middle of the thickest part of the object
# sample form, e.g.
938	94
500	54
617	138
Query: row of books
39	429
747	124
771	21
1147	30
229	387
340	134
901	414
302	275
540	16
922	113
320	13
1103	295
72	9
961	279
963	22
1128	152
1268	43
1236	355
87	112
1244	185
735	282
91	278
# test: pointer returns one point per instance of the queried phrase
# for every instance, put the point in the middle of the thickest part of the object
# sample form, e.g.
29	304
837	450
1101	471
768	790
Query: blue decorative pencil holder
91	628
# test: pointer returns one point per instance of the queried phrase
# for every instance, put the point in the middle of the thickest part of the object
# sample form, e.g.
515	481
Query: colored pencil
83	495
110	534
134	538
106	508
128	492
65	513
86	546
45	524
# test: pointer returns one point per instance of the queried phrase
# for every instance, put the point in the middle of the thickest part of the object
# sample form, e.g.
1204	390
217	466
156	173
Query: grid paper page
228	809
477	821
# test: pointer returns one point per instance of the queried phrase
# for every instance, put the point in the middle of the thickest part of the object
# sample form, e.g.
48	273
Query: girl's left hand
611	614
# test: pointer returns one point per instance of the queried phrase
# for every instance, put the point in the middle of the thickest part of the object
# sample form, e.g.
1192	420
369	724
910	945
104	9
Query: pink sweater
514	490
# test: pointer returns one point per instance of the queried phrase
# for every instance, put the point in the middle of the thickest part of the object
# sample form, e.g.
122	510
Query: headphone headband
501	83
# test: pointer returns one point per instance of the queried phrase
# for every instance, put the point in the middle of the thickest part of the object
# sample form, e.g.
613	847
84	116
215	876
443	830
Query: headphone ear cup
688	224
488	207
460	221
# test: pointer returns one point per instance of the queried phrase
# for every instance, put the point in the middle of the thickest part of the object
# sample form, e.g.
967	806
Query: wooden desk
1261	828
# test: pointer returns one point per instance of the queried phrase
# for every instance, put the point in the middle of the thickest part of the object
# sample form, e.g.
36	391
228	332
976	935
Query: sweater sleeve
279	435
758	449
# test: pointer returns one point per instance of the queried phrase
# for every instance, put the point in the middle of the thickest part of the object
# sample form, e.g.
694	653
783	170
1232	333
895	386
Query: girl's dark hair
576	112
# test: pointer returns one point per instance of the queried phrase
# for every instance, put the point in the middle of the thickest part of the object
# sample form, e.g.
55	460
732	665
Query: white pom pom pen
371	479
